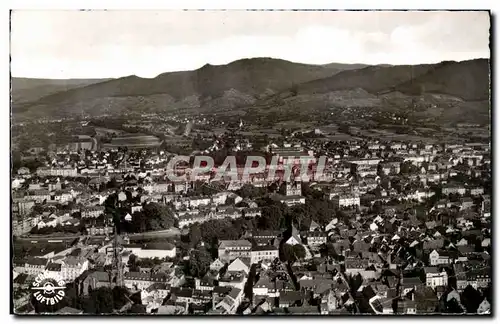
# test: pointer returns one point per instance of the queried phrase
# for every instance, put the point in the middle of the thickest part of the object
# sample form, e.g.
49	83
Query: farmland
133	141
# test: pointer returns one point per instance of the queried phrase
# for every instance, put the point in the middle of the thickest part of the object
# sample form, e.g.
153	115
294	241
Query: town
385	227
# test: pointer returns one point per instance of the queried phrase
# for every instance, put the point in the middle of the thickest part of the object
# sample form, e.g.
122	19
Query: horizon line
240	59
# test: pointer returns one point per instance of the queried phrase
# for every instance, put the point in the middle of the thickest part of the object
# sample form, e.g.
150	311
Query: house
182	295
409	284
466	203
484	308
92	212
294	238
435	278
460	275
290	298
331	225
236	279
232	249
72	267
479	278
93	281
264	253
433	244
239	265
152	250
346	200
293	200
264	287
207	283
156	290
408	306
216	265
53	270
141	281
35	266
442	257
454	189
315	238
229	304
354	266
314	226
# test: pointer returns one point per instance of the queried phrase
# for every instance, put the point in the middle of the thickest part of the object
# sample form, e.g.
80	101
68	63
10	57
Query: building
346	200
454	189
293	189
441	257
57	172
239	265
72	267
152	250
142	281
53	270
235	279
92	212
293	200
294	238
315	238
435	278
353	266
232	249
94	280
35	266
264	253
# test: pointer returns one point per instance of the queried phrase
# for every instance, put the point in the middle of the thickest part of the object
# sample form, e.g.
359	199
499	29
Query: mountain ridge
249	81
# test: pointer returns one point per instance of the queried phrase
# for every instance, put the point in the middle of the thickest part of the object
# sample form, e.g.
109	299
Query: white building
346	200
264	253
72	267
152	250
434	278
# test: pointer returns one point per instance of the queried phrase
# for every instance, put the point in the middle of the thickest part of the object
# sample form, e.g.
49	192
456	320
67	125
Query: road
153	234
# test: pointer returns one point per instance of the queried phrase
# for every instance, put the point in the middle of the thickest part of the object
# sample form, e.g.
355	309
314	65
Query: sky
108	44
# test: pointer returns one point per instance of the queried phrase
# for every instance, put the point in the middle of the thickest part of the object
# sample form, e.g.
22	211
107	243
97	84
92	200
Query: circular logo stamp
48	289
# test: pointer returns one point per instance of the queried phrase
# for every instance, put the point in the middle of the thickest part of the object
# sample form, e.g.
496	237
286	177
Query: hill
252	77
446	91
468	80
28	90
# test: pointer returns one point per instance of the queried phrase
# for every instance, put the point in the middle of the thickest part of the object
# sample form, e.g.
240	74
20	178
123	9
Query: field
101	131
133	141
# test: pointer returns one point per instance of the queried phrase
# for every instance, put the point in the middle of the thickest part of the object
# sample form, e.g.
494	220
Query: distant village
395	227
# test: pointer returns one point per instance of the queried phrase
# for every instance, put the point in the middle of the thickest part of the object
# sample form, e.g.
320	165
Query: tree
139	222
250	191
195	235
471	298
160	216
103	297
132	263
329	250
198	263
100	301
299	251
292	253
271	217
120	296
